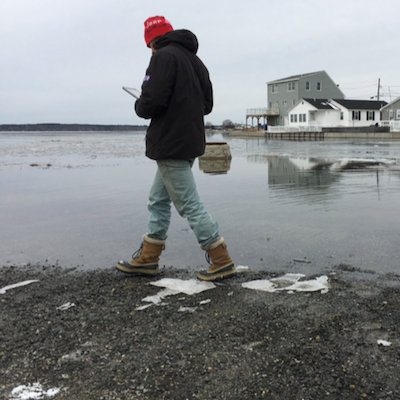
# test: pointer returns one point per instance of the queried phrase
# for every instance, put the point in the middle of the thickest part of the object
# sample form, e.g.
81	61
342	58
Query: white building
335	112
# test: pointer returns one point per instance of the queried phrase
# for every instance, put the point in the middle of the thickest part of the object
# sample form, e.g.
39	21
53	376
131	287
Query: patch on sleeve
146	78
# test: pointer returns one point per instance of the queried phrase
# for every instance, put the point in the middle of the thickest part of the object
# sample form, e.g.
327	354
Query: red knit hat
155	27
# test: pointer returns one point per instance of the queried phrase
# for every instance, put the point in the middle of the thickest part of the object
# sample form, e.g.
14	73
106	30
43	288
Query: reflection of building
310	178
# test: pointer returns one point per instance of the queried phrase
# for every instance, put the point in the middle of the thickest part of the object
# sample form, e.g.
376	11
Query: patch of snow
15	285
205	301
33	391
241	268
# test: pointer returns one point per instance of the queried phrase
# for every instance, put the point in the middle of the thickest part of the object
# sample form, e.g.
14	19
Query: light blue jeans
174	181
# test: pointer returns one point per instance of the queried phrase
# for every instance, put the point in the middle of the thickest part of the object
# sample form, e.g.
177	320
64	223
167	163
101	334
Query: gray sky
67	60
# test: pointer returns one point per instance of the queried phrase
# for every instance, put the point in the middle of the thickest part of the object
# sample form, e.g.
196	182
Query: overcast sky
67	60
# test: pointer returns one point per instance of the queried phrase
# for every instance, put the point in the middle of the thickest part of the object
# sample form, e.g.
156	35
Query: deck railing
394	125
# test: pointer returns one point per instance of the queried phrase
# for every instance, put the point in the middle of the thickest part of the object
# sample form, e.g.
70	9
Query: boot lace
208	258
136	254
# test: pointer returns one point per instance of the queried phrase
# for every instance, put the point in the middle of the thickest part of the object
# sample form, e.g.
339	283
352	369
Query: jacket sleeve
208	99
206	86
157	85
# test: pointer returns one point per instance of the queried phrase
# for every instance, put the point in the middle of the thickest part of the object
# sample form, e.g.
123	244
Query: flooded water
79	199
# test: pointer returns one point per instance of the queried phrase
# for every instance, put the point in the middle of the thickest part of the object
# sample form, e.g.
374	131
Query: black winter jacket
176	94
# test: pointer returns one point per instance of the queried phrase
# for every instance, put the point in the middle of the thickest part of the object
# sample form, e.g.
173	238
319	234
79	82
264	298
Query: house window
274	89
293	102
276	104
307	85
293	117
397	114
284	103
341	115
390	114
302	118
357	115
319	86
270	104
291	86
370	115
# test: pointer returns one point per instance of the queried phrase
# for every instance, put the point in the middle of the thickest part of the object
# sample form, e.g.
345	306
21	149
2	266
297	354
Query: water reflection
313	179
331	202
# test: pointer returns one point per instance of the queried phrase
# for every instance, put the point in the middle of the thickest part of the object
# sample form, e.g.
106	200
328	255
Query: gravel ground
242	344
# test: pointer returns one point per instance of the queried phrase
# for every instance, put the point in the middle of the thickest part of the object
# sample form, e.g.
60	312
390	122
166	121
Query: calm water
80	200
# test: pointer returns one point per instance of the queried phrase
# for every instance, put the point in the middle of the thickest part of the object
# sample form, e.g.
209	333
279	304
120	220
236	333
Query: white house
359	112
337	112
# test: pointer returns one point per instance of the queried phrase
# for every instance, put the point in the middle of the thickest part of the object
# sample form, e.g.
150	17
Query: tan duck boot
222	264
145	260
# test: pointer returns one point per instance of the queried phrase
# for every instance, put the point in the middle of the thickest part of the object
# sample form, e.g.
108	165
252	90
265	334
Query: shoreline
228	342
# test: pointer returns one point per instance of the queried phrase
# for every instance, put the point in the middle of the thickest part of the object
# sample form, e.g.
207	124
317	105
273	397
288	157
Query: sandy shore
85	335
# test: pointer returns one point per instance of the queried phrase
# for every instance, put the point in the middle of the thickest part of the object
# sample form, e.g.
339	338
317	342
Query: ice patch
187	309
289	282
175	286
205	301
157	298
189	287
33	391
15	285
240	268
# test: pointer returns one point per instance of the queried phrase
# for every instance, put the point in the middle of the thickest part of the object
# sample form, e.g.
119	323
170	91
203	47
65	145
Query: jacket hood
182	37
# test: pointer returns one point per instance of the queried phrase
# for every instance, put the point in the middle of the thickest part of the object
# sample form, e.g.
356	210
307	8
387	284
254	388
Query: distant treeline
70	127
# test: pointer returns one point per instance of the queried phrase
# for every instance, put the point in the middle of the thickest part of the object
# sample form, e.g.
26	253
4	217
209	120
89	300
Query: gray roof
361	104
295	77
321	104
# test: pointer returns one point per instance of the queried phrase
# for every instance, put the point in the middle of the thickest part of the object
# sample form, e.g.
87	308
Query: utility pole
379	86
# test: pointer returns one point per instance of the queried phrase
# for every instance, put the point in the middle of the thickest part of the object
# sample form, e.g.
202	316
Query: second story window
307	85
274	89
284	103
319	86
291	86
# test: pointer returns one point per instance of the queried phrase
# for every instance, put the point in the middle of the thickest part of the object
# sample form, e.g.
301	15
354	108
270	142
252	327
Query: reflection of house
337	112
285	93
308	178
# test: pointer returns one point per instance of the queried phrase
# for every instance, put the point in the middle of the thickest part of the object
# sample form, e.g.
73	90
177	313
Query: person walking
176	94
